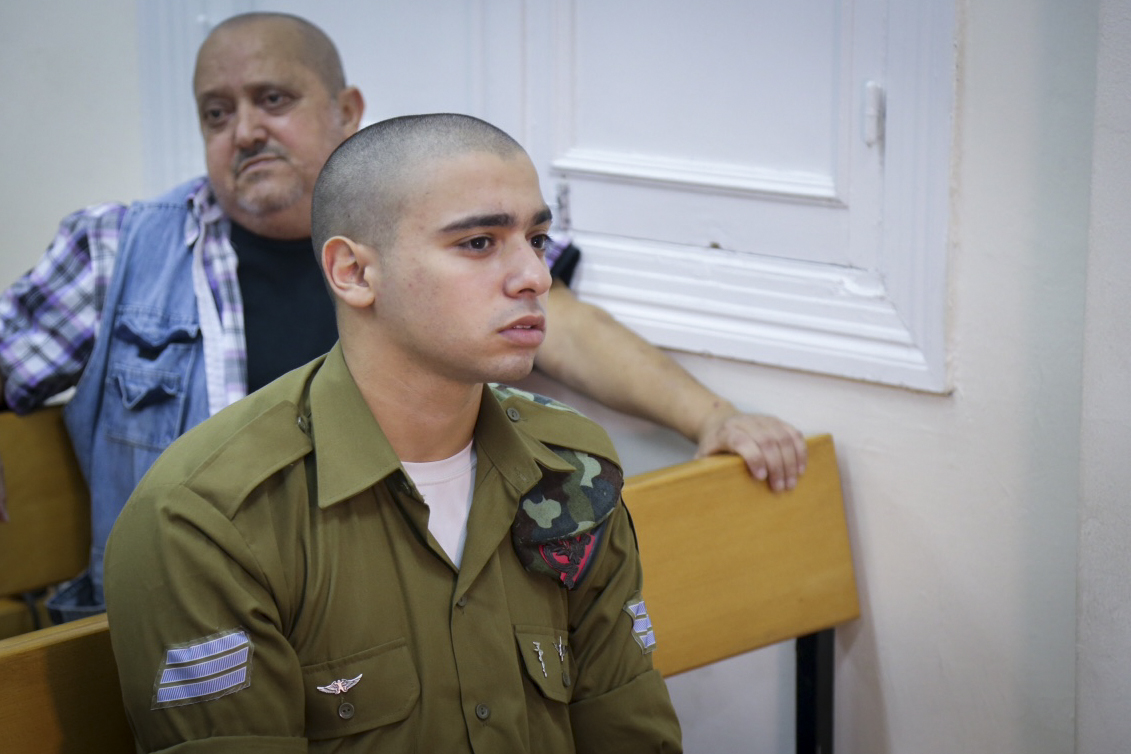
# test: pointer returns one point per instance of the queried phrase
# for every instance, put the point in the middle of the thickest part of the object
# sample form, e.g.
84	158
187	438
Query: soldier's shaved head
304	40
364	183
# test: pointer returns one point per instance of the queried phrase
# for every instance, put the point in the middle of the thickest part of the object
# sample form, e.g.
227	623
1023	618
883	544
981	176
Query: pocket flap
546	657
144	387
153	330
363	691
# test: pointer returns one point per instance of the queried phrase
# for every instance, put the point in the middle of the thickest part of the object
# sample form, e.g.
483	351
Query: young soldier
381	551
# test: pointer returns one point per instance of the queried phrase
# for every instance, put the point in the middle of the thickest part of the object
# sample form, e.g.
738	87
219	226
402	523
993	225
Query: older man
380	551
166	311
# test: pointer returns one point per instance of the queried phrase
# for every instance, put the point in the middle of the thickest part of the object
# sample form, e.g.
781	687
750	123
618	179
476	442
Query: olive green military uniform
272	586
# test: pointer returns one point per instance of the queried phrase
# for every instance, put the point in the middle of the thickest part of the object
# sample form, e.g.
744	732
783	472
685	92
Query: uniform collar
354	454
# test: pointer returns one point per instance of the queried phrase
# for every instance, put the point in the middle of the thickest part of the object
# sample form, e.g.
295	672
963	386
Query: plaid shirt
50	317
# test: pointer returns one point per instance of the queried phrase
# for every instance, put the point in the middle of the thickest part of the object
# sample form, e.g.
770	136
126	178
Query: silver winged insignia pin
340	686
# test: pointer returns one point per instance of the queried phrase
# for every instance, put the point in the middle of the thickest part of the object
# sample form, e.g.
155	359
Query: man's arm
182	586
588	350
49	316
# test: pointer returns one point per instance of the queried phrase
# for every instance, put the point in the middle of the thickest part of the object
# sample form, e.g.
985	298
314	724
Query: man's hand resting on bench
774	450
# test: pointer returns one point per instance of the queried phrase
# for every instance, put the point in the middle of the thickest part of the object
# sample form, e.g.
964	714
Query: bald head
366	180
272	106
308	44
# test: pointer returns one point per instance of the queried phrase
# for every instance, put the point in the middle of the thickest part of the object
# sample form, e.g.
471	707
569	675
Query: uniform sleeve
621	702
49	317
203	658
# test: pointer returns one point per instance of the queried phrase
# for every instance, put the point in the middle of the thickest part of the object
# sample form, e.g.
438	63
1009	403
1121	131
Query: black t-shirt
288	313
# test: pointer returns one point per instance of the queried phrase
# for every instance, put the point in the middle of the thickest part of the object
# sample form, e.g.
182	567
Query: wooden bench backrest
47	537
729	567
59	692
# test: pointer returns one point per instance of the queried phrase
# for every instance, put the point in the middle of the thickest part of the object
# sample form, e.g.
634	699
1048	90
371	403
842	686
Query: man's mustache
251	153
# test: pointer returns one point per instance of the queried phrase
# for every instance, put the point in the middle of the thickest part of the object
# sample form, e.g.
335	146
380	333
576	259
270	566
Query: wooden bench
60	692
729	567
47	538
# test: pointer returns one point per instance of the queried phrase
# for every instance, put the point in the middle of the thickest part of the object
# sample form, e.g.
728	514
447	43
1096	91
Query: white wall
70	120
1104	661
963	508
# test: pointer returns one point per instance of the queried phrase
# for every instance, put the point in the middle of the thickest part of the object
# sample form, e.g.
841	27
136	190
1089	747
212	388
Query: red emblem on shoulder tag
569	557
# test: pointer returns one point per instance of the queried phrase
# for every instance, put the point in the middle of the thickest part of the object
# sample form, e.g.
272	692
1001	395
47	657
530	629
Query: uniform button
482	711
345	710
302	423
513	414
462	601
565	678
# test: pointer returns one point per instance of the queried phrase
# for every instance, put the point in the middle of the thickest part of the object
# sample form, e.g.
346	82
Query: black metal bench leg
815	675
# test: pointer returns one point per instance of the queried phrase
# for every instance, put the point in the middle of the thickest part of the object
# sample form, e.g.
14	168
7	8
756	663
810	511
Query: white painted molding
697	175
918	133
792	314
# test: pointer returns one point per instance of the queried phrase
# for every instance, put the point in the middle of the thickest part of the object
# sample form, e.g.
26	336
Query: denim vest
144	383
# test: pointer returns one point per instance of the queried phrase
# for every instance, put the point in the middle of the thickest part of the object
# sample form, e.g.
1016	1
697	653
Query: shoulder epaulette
224	458
268	443
553	423
503	392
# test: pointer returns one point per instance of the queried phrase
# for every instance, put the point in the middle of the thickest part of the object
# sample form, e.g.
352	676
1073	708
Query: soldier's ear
350	269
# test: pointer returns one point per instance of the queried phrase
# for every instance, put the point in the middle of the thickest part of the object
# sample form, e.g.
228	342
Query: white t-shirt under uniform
447	487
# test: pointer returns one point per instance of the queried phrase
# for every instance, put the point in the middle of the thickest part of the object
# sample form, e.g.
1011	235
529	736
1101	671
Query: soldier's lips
528	332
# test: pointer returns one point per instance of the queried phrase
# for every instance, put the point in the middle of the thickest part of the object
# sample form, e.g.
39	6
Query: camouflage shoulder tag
503	392
561	521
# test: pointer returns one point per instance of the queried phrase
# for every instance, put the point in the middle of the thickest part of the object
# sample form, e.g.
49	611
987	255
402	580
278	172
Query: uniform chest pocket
151	362
544	653
367	690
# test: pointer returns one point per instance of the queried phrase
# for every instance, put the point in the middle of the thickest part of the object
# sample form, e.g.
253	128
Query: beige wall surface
70	120
1104	661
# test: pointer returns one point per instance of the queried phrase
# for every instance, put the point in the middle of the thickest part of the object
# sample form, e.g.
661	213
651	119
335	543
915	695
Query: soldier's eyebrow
542	217
501	220
498	220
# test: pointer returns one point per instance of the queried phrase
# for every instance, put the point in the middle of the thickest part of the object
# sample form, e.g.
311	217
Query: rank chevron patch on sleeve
641	624
204	669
